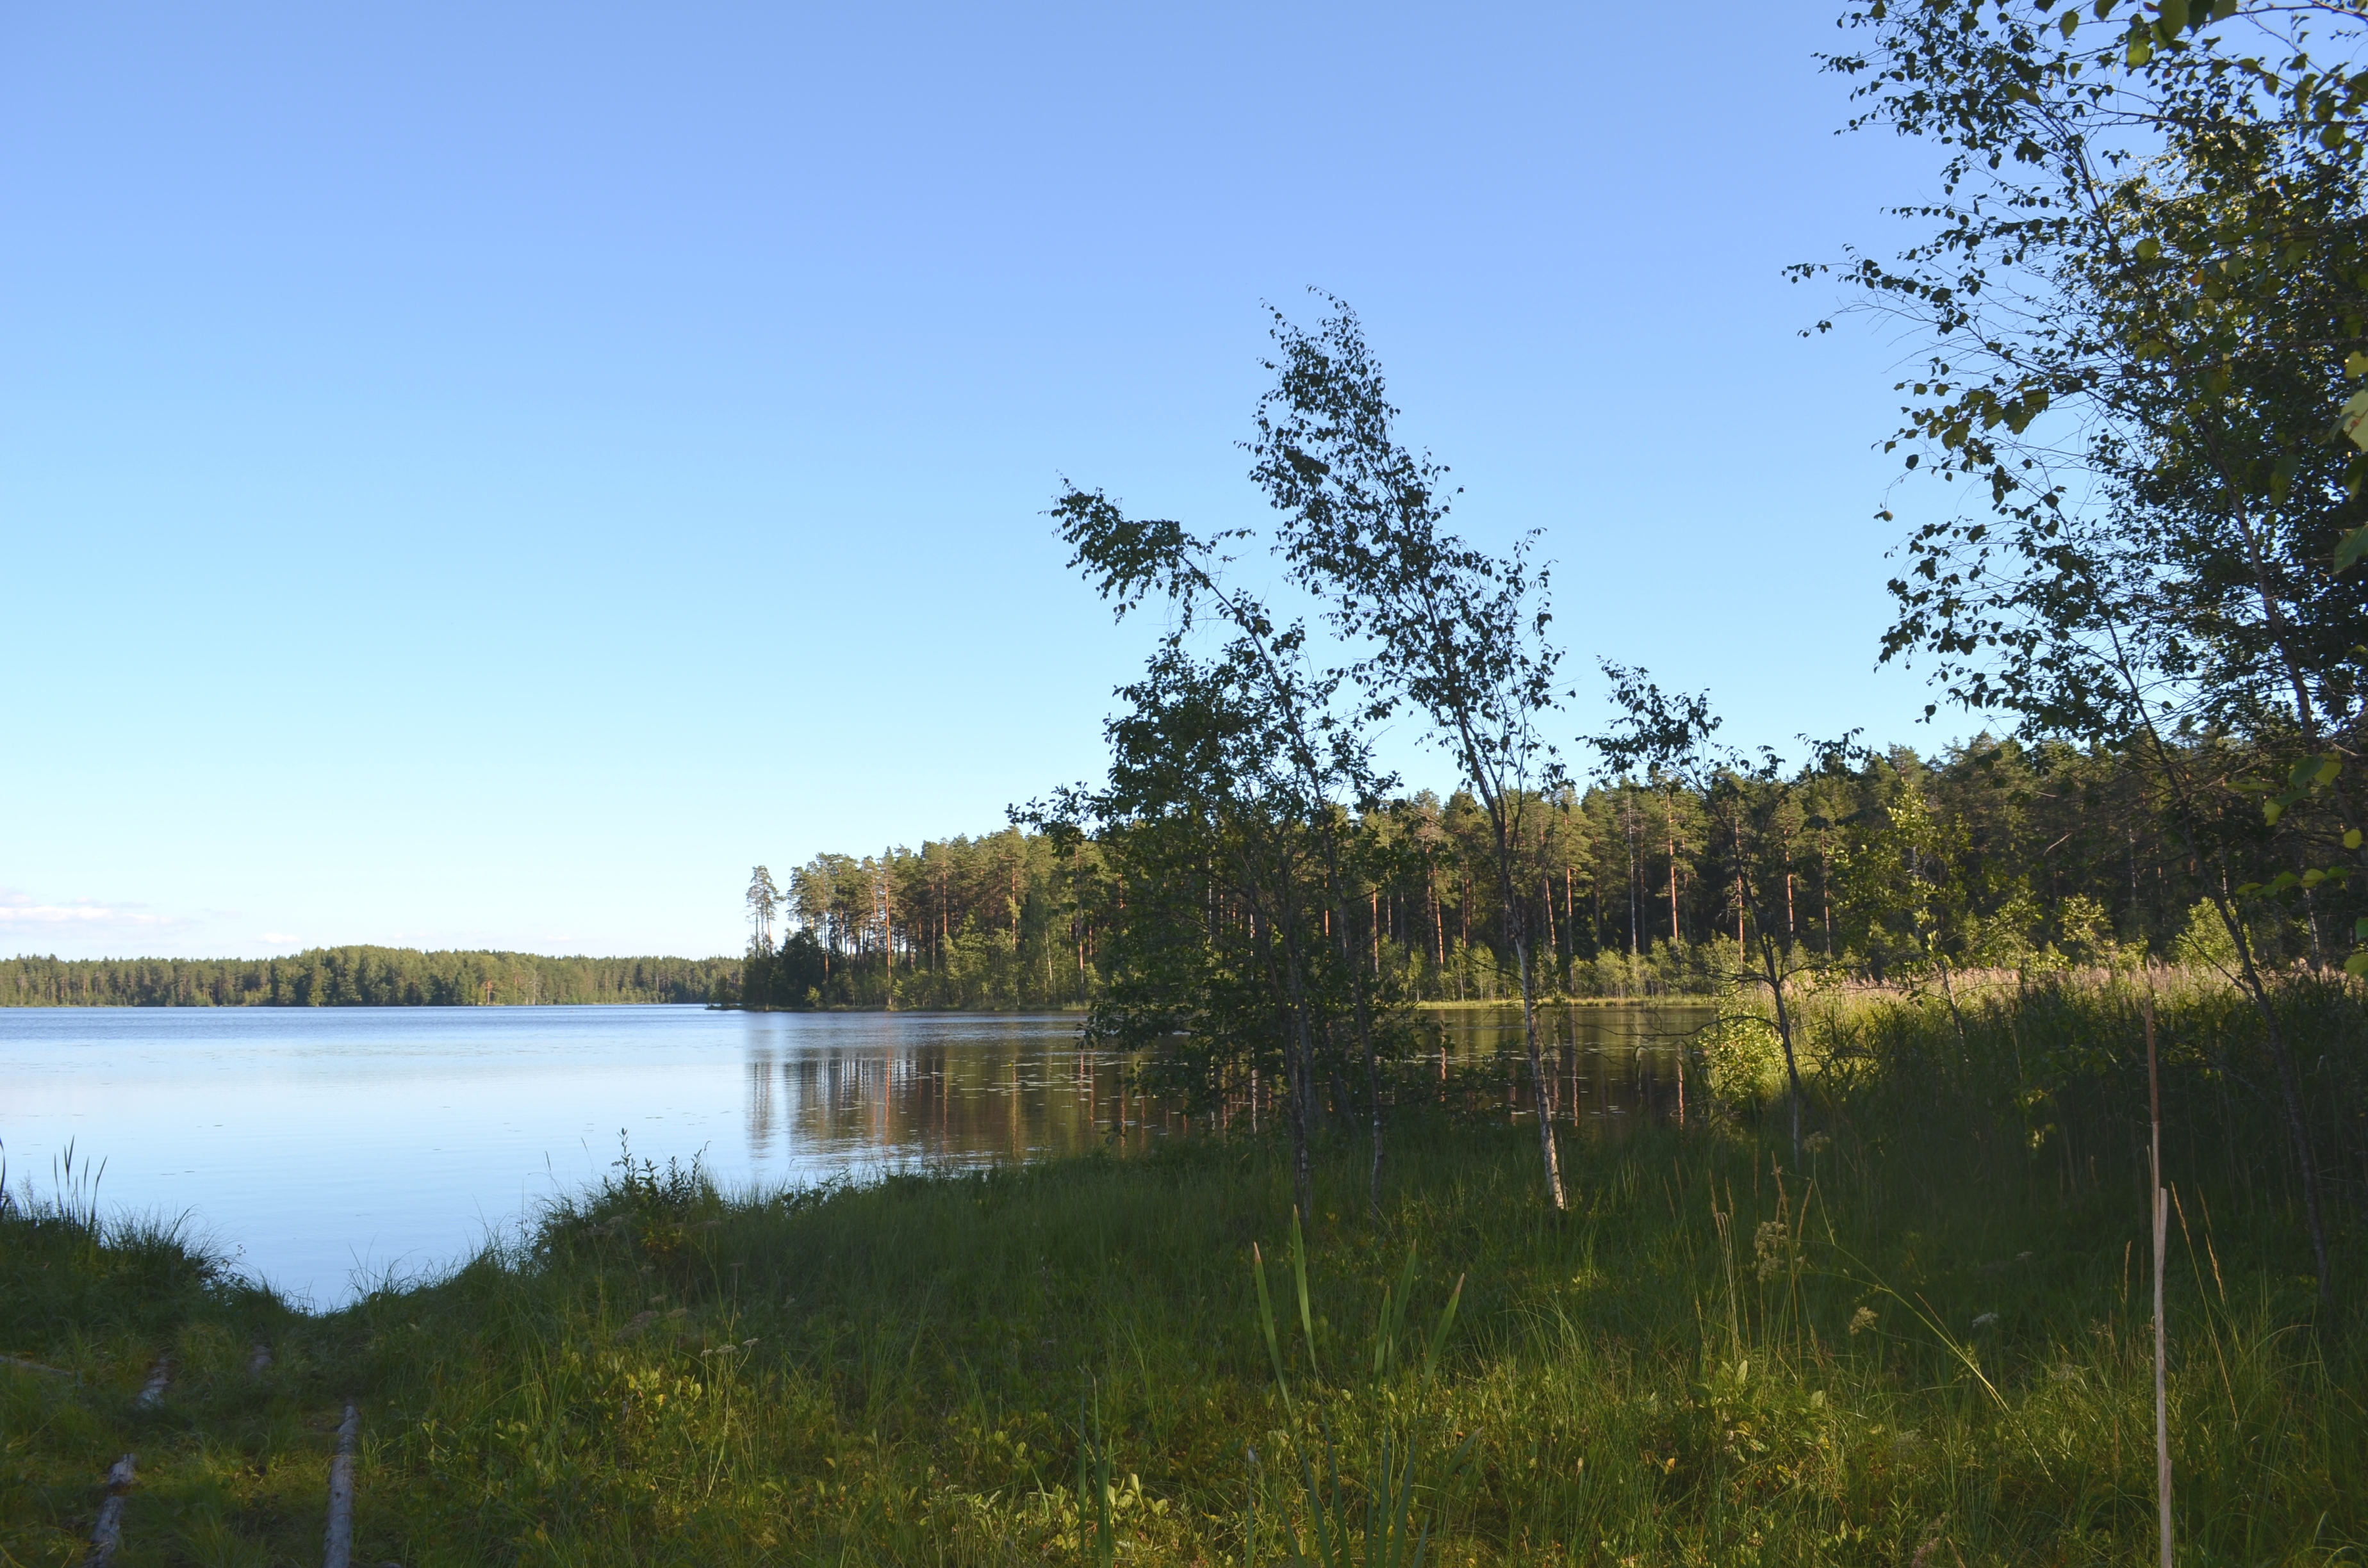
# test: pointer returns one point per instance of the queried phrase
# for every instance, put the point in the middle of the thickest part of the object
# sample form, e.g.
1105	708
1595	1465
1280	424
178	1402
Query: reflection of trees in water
759	1100
960	1103
1612	1065
976	1100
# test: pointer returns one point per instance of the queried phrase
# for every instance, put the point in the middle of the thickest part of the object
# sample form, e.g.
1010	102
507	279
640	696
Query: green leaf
2355	364
2356	965
2174	16
2271	810
2282	476
2352	839
2071	21
2141	50
2359	929
2150	247
2353	545
1266	1321
2330	766
2353	419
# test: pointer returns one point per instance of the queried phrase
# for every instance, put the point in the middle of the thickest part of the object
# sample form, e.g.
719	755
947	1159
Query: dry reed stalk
338	1547
107	1533
2161	1220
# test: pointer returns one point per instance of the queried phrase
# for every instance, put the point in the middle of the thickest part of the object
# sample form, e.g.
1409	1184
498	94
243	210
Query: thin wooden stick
2161	1217
19	1363
336	1550
107	1534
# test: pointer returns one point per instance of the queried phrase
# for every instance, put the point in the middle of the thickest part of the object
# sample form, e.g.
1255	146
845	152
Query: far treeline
361	976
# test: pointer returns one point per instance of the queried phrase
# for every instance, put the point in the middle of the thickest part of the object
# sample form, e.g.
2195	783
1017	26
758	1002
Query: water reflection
1611	1066
847	1092
851	1091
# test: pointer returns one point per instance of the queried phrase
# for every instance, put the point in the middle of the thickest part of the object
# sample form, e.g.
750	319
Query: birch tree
1281	767
1454	633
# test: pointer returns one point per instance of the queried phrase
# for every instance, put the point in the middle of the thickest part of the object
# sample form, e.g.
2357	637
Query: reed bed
1924	1342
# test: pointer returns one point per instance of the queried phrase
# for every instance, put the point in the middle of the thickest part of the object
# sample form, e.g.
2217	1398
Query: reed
1930	1342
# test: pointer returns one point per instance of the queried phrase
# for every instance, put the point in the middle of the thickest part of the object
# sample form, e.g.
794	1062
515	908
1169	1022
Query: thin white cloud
18	912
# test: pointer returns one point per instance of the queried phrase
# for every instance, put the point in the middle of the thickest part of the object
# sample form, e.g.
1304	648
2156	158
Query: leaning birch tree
1267	739
1451	631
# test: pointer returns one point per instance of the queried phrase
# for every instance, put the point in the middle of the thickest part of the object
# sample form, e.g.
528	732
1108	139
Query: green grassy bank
1924	1342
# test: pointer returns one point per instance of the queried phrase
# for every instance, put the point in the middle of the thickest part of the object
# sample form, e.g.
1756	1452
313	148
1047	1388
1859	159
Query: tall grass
1928	1345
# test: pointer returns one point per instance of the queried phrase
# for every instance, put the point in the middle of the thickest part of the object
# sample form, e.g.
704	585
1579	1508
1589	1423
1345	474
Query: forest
362	977
2014	856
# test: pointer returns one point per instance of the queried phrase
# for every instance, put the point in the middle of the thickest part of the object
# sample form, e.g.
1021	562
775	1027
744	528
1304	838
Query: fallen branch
336	1550
107	1534
18	1363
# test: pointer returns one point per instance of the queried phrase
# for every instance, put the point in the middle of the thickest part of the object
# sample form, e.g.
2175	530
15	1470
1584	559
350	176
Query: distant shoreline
365	976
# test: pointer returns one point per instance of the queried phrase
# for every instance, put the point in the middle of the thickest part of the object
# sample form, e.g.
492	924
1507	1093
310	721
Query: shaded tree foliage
2141	291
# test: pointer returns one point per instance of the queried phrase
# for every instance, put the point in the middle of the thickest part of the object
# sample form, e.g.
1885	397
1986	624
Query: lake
321	1149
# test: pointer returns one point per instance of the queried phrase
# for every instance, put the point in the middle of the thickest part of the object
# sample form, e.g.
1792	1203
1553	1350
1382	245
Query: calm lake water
319	1148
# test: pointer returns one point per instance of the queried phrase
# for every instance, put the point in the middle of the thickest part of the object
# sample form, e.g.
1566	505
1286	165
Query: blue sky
487	475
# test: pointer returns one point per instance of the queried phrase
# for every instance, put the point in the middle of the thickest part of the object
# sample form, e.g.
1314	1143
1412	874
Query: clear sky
485	475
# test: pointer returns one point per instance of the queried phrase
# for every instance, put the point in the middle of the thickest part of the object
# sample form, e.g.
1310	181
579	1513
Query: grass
1927	1346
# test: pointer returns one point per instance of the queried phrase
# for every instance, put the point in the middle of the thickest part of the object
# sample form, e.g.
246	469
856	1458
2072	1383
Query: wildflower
1861	1319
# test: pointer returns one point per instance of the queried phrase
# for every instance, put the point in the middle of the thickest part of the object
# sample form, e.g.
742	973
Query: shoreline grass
1927	1345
